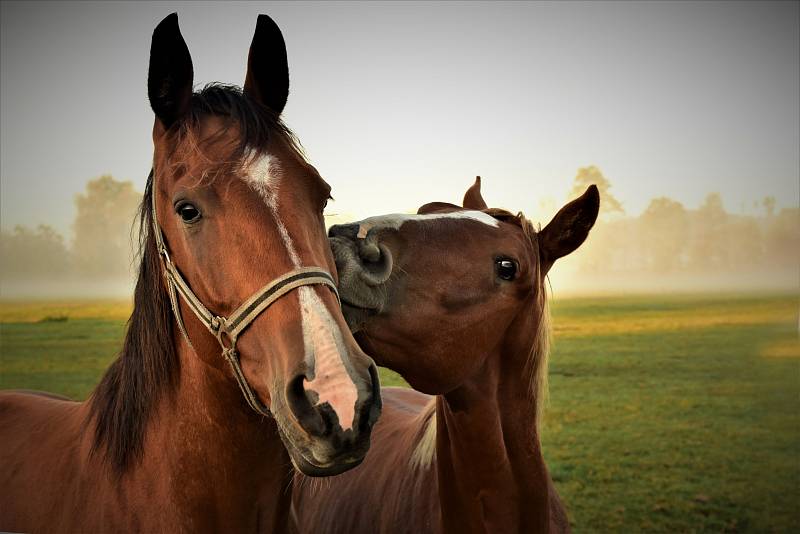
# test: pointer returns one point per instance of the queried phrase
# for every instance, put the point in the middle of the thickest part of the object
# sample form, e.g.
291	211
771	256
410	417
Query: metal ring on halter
164	254
243	316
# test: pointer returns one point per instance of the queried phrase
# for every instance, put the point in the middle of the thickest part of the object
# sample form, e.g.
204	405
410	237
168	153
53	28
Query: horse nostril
376	263
370	252
307	415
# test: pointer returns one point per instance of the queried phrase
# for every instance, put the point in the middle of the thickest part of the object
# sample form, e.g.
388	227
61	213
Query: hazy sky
401	104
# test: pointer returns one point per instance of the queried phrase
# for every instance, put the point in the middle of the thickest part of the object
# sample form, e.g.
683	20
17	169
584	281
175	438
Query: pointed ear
267	79
569	228
472	198
169	78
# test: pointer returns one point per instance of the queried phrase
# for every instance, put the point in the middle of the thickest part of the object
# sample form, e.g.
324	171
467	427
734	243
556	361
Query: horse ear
472	198
170	75
267	79
569	228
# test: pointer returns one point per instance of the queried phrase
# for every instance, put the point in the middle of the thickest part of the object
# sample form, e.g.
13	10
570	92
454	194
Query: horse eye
506	269
188	213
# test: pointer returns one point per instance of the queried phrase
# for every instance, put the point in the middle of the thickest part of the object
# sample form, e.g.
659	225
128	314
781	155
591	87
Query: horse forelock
255	127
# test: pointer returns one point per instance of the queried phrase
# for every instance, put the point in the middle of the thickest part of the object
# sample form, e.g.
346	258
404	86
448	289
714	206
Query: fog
666	248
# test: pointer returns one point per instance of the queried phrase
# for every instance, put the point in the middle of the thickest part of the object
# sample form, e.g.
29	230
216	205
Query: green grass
688	428
66	357
667	414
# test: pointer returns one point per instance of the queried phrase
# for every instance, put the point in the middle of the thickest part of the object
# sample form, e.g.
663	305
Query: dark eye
506	269
188	213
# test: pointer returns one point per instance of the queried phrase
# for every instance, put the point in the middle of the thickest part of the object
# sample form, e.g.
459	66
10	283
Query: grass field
668	414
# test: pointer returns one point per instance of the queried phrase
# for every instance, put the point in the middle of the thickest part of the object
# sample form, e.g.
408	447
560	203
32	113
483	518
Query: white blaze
324	347
265	176
396	220
322	337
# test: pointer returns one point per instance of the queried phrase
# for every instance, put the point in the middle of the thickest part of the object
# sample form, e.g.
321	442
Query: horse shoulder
39	458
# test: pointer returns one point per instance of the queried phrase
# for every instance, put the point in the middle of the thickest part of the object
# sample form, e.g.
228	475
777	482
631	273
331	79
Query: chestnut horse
454	300
237	362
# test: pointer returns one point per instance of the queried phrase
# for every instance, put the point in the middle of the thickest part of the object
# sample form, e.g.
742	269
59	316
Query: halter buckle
217	327
165	255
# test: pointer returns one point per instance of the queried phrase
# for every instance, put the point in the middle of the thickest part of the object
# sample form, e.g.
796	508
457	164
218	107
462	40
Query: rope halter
227	329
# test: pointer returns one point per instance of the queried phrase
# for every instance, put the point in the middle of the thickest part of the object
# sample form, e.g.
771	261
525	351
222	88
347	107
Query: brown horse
233	297
454	300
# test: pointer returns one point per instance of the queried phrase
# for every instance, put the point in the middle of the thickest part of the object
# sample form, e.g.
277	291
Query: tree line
665	242
102	246
668	241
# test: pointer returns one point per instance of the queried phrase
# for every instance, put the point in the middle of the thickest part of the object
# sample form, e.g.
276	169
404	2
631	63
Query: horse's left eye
506	269
188	213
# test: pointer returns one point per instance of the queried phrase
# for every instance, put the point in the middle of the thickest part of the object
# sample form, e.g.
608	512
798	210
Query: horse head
237	212
431	294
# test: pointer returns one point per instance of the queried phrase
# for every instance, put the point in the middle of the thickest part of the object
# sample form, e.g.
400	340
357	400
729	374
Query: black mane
147	365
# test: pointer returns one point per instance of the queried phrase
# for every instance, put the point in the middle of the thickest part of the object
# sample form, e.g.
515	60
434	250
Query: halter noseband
232	326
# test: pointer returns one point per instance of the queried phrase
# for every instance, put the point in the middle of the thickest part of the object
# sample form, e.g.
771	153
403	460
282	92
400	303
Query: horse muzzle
318	441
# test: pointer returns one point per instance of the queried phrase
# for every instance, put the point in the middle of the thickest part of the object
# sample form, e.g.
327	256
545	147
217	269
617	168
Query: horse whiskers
305	482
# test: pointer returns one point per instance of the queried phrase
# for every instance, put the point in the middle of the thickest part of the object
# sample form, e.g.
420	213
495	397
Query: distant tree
592	175
663	226
743	243
103	245
713	209
782	239
612	247
31	254
708	247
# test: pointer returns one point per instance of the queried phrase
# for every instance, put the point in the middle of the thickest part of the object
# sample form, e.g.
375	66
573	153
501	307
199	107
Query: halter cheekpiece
228	329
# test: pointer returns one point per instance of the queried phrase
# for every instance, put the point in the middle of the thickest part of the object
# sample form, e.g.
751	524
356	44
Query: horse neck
491	472
212	443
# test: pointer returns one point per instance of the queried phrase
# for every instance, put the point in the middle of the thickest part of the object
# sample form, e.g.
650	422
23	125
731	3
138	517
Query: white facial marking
322	337
396	220
324	346
265	176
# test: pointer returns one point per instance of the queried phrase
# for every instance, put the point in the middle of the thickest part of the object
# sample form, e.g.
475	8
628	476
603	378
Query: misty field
666	414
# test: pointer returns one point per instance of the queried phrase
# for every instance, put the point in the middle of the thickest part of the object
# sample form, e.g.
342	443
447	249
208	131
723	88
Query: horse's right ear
170	75
267	79
569	228
473	200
